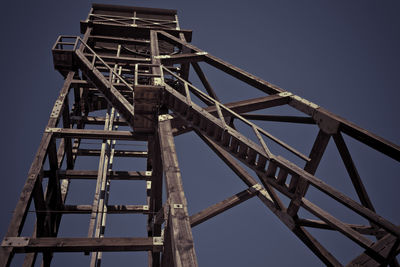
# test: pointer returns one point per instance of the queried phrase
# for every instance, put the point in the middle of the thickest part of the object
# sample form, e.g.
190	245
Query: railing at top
220	108
77	45
134	21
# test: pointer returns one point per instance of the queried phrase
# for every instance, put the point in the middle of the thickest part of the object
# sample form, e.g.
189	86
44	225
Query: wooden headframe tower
130	69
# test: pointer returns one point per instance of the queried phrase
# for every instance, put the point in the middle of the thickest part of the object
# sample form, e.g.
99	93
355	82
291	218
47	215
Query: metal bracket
148	185
165	117
326	123
148	173
304	101
56	109
201	53
256	187
52	130
162	56
283	94
15	241
158	240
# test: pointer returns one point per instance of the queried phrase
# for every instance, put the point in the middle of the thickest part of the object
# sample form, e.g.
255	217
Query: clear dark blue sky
342	55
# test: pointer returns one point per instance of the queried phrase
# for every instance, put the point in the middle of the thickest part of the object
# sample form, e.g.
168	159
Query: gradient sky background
342	55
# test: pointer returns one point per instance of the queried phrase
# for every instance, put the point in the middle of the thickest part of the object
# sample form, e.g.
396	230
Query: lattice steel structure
131	68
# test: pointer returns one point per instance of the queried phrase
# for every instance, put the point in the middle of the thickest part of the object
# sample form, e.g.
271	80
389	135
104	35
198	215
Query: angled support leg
180	231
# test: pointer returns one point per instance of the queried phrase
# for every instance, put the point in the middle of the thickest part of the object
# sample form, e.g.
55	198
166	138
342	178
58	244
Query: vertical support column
178	235
155	194
154	162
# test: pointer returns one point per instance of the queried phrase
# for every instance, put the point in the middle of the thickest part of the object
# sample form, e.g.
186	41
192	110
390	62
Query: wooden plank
222	206
68	143
154	164
337	224
117	153
52	244
362	229
96	134
53	197
252	104
278	118
181	58
120	209
180	230
97	120
120	40
114	175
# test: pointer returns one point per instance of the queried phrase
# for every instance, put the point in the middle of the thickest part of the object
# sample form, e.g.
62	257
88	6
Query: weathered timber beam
181	58
341	227
113	175
277	118
67	141
180	233
119	60
88	85
253	104
119	209
117	153
97	120
49	244
128	30
155	195
224	205
97	134
362	229
118	40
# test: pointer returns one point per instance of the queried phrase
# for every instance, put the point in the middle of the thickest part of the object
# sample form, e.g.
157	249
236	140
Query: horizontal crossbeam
49	244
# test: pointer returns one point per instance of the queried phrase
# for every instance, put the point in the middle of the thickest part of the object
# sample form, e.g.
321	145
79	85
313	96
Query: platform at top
116	20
